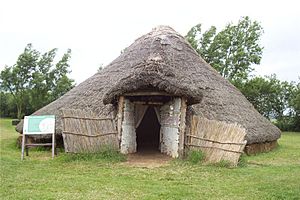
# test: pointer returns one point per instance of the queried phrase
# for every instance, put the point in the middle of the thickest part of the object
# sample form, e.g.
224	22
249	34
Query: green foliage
269	95
15	79
7	106
295	105
274	99
231	51
286	123
195	157
35	80
193	37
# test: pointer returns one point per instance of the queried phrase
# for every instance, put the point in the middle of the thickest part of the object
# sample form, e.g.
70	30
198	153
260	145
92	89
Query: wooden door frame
182	126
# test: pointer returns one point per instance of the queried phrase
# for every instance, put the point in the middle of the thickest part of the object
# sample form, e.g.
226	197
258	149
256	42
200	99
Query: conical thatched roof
164	61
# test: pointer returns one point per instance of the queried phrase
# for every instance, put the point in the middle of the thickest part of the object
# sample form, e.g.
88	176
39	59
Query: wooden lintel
147	94
148	103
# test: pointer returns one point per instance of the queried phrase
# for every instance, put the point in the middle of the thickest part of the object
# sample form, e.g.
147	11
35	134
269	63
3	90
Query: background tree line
232	52
33	82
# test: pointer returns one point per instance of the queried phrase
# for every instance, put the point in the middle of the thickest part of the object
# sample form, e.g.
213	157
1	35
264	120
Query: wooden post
120	118
23	146
53	145
26	147
64	128
183	108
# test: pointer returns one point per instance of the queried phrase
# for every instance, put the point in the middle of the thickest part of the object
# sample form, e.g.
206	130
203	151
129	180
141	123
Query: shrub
285	123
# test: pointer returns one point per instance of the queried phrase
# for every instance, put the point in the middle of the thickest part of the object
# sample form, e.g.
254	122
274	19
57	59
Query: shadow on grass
107	154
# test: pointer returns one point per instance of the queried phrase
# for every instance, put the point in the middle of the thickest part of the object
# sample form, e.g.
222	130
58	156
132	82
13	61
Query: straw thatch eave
155	76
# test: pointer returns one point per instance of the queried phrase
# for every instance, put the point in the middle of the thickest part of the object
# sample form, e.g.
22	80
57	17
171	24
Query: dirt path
148	159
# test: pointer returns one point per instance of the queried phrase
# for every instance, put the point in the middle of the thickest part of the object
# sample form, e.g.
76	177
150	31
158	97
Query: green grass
274	175
195	157
108	155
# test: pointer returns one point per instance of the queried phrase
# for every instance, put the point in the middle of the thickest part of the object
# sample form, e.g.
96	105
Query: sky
97	31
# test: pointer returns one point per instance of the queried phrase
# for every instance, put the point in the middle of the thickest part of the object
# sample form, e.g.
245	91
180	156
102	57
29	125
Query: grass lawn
274	175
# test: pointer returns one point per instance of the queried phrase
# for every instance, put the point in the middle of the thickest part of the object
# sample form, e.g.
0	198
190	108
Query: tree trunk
19	111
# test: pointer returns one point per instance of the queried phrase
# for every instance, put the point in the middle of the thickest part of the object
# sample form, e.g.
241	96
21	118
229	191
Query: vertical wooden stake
183	108
26	147
23	146
120	118
53	145
65	137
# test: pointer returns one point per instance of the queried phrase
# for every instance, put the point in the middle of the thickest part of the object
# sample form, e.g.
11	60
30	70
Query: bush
286	123
195	157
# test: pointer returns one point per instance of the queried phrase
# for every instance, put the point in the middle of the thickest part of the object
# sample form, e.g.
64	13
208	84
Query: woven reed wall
84	131
218	140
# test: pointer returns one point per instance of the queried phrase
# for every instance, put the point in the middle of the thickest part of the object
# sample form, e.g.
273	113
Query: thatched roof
164	61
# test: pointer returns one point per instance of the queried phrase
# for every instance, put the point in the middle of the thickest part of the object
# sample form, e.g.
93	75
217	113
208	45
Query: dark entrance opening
148	132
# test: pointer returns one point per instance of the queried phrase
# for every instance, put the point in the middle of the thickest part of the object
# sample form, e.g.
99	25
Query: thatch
162	60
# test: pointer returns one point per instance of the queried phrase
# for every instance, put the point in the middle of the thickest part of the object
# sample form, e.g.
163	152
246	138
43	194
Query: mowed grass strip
274	175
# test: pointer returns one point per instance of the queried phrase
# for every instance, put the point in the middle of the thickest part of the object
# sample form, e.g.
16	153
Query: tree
41	80
269	95
275	99
231	51
34	80
295	104
7	106
15	79
50	81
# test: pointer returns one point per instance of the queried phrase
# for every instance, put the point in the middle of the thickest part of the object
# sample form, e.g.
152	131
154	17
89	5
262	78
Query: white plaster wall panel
170	141
128	143
128	137
170	120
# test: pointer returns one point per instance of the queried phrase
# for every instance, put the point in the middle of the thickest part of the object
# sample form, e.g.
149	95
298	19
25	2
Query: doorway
152	128
148	132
